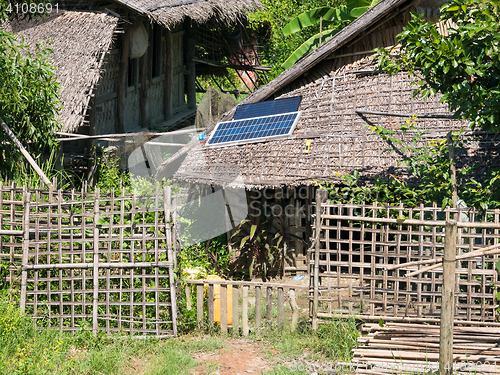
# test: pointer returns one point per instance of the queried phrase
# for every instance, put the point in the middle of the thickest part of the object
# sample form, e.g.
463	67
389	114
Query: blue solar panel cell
254	129
272	107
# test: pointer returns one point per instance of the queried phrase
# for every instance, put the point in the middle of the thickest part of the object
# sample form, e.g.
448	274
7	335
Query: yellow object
217	300
308	147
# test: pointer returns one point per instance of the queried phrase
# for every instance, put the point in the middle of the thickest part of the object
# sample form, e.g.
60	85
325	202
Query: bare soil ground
240	356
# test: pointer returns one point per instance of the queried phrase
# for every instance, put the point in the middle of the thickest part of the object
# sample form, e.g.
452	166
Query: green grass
27	351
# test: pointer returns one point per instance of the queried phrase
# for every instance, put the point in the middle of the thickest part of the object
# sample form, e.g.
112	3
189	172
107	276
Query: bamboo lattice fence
91	260
362	249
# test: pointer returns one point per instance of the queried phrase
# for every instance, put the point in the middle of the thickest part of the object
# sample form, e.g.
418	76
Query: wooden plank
244	311
269	312
199	305
187	290
190	53
320	197
235	310
281	311
295	309
211	305
169	76
249	283
448	299
143	92
121	85
258	307
223	308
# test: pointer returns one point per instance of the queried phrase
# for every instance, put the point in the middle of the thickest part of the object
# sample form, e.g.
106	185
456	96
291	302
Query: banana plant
338	17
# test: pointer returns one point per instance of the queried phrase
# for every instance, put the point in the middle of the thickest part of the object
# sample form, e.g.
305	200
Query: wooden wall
165	94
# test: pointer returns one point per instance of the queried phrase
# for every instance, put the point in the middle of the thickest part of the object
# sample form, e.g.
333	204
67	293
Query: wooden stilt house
342	96
126	66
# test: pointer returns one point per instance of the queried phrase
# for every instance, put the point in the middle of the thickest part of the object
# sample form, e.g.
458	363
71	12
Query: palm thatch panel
171	12
79	41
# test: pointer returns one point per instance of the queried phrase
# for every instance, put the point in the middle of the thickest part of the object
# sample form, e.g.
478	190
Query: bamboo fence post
281	311
223	308
187	291
269	314
211	305
453	170
447	300
244	311
257	307
26	237
199	305
167	197
294	307
235	309
321	195
95	272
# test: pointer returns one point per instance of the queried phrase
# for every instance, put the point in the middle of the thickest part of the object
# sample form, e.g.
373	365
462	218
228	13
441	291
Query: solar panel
254	129
269	108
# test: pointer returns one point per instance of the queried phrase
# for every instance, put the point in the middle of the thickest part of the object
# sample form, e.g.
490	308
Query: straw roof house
125	66
343	96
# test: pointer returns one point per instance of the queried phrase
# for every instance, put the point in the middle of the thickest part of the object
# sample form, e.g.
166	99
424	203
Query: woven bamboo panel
355	254
11	219
90	260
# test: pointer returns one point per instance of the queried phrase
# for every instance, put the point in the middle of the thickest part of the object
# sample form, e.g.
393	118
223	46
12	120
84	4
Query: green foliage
212	256
269	22
429	166
28	98
335	19
334	339
24	174
109	175
263	239
463	66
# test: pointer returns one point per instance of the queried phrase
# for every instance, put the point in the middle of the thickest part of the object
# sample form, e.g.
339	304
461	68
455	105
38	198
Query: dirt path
238	357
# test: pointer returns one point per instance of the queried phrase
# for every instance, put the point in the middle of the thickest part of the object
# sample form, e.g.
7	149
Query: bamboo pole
199	305
320	196
491	250
295	309
223	308
281	311
257	307
448	299
235	310
25	153
244	311
95	272
453	171
187	290
24	273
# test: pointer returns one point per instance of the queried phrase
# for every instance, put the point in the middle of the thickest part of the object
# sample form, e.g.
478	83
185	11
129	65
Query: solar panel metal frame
254	140
268	108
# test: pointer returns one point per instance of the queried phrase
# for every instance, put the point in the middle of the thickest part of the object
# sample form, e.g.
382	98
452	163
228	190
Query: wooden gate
98	261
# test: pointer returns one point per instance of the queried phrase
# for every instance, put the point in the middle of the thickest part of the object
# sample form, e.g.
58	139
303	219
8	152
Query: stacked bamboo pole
414	348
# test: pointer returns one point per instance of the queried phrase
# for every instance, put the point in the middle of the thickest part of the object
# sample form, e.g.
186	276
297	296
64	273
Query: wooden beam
143	92
448	299
169	76
122	81
190	53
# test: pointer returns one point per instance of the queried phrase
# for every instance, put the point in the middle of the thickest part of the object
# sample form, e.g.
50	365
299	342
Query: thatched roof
171	12
341	140
333	90
79	41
